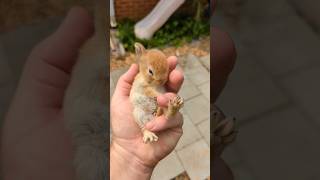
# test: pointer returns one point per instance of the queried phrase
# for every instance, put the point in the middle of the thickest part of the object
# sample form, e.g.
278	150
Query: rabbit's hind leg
174	106
142	117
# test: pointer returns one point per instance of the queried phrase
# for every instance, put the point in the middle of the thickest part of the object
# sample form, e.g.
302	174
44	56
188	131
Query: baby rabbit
148	84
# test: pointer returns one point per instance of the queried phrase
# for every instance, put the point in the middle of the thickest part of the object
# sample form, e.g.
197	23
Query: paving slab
198	109
112	87
190	133
205	60
281	39
204	128
189	62
194	69
249	92
205	90
281	145
168	168
287	45
116	74
198	75
196	160
304	89
188	89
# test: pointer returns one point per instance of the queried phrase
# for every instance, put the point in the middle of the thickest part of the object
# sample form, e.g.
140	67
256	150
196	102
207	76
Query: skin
35	144
127	137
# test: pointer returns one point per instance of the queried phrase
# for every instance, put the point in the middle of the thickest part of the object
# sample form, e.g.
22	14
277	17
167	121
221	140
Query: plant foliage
176	31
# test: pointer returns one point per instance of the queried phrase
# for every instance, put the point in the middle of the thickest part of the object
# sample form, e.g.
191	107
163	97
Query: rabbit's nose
161	81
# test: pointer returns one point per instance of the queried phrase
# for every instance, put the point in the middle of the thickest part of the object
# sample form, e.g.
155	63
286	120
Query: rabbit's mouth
160	82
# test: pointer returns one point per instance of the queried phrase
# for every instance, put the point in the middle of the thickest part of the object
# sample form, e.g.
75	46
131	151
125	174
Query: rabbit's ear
139	49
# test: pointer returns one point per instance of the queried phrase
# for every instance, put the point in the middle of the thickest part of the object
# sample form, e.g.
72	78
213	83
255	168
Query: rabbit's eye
150	72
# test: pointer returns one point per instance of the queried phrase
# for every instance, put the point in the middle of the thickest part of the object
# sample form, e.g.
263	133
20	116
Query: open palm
127	134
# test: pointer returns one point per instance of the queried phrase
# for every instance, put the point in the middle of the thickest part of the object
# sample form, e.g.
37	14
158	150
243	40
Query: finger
164	99
125	81
161	123
46	73
223	60
175	81
172	62
61	48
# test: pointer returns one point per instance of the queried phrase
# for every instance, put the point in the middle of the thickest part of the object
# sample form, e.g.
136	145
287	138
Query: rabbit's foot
175	105
149	136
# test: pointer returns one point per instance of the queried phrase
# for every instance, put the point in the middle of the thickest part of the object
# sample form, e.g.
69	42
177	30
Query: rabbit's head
153	65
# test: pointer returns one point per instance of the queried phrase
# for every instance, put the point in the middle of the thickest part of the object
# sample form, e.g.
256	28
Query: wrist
123	165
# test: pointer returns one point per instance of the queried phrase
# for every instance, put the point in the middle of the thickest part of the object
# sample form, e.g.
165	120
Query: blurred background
274	89
23	24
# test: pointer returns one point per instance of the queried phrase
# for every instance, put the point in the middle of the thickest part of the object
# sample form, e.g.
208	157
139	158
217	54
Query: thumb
125	81
47	70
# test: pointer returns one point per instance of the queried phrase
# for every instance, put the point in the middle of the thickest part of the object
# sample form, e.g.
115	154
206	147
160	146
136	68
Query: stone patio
273	91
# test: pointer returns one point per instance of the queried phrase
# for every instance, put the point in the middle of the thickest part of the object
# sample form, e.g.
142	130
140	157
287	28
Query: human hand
35	144
223	60
127	147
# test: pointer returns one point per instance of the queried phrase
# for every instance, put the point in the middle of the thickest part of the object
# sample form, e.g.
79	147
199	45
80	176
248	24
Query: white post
116	47
145	28
113	22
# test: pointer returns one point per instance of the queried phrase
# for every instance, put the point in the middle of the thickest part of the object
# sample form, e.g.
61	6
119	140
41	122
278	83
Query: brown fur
148	84
150	92
156	60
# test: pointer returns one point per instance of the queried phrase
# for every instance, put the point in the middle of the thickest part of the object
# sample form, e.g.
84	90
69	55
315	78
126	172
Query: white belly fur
143	106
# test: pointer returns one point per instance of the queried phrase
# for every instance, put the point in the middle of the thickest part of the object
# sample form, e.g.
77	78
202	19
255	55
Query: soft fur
148	84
